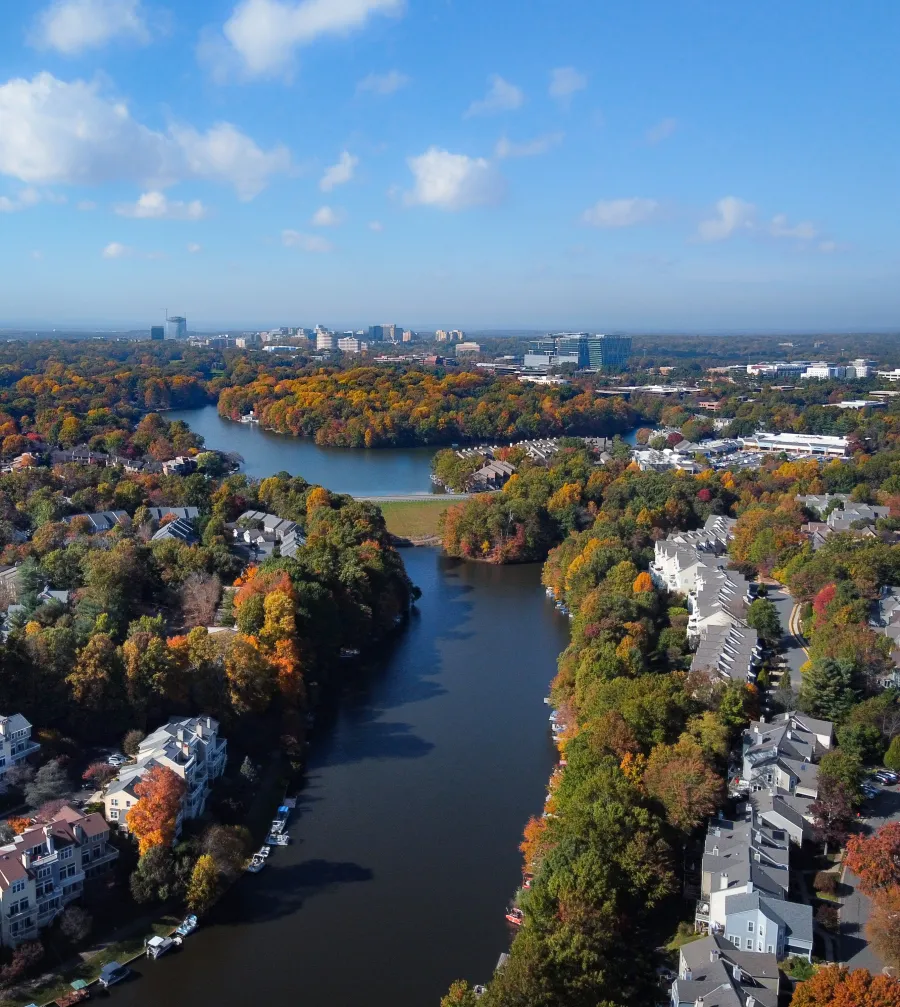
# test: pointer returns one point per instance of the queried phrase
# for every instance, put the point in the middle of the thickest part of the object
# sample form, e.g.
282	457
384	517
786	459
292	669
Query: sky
616	166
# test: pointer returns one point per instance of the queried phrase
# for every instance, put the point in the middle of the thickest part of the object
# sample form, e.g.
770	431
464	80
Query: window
113	815
114	802
17	886
736	941
749	944
66	854
770	949
750	927
44	872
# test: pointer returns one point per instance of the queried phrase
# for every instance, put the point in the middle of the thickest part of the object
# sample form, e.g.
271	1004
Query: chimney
723	882
688	974
750	1002
3	726
698	1002
715	955
736	972
762	718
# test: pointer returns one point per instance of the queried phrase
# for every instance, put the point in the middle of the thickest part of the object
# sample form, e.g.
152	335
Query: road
417	497
793	644
855	951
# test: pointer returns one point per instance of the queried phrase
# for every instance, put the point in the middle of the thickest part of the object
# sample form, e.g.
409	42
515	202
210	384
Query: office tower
608	351
376	333
157	332
176	327
325	340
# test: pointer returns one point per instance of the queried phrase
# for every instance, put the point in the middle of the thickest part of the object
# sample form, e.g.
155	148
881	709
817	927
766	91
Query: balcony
29	748
11	915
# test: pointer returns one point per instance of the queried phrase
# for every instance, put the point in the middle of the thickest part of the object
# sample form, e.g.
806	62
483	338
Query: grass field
413	519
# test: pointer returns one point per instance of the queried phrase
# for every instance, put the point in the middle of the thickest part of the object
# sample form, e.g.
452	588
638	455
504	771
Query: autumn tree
832	811
883	926
837	986
460	994
153	819
249	675
875	859
96	677
681	780
204	884
99	773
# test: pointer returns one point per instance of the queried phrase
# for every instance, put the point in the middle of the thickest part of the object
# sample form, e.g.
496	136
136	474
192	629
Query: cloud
340	173
193	247
37	255
325	216
155	205
306	242
59	132
71	26
779	228
85	205
732	214
453	181
261	36
829	246
620	212
501	97
376	225
116	250
22	200
565	81
529	148
382	83
662	130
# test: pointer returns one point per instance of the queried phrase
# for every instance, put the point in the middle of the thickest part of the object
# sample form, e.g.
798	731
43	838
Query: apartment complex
45	868
191	748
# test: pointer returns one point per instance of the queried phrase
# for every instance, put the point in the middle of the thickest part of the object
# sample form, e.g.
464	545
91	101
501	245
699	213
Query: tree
681	780
18	824
248	772
892	757
844	766
228	845
99	773
200	595
152	820
19	776
154	878
96	674
763	617
49	782
132	742
832	811
24	957
75	923
875	859
863	741
828	689
460	994
837	986
204	885
883	927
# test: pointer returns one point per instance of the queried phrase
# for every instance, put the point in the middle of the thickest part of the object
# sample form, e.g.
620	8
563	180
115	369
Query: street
792	647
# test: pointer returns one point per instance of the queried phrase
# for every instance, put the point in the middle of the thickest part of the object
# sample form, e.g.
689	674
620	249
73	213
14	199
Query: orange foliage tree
875	859
837	986
152	820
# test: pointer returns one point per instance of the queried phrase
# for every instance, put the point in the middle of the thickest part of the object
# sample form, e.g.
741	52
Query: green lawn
413	519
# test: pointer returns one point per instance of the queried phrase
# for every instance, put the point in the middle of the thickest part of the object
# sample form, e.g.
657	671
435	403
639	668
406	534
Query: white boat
158	946
280	839
263	851
277	826
257	863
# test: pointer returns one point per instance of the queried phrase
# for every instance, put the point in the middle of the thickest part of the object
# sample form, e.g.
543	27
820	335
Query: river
404	849
359	472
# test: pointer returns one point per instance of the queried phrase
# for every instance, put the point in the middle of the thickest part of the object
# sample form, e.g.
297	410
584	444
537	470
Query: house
45	868
785	811
181	529
188	513
100	521
887	621
782	755
191	748
843	519
755	922
180	466
262	531
493	475
818	503
48	595
713	973
15	743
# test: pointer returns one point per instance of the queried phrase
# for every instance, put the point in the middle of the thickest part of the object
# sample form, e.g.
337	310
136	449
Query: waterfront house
191	748
15	743
100	521
45	868
712	972
755	922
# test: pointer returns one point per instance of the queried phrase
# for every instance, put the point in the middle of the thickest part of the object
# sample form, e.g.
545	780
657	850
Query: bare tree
200	595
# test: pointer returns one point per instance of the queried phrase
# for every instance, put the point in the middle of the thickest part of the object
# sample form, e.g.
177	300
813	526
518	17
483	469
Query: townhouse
263	531
15	743
712	972
887	622
46	867
780	756
191	748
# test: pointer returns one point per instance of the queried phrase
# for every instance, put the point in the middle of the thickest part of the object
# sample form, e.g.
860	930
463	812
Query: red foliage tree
876	859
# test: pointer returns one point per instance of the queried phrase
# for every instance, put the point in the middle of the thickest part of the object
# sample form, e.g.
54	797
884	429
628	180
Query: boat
527	880
112	973
479	990
547	700
278	839
79	994
516	917
159	946
257	863
263	851
187	926
277	826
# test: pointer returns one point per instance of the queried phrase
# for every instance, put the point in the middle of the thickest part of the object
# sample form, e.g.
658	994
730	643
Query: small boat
547	700
159	946
527	880
187	926
554	716
263	851
279	839
257	863
479	990
516	917
557	728
113	973
277	826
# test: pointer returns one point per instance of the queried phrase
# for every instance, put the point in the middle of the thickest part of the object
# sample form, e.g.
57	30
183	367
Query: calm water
404	851
359	472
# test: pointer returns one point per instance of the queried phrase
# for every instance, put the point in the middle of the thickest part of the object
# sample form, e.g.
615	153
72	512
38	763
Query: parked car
886	776
117	759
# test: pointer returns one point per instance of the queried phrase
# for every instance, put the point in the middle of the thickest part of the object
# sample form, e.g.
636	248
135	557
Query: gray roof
739	852
181	529
795	917
102	520
724	976
158	513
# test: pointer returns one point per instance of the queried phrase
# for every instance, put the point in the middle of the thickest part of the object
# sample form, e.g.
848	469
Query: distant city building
581	349
449	335
799	444
325	340
467	348
893	375
157	332
822	372
778	369
376	333
408	336
249	341
350	344
861	368
176	327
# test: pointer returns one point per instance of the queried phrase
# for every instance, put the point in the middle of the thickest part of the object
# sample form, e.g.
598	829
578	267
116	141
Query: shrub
826	883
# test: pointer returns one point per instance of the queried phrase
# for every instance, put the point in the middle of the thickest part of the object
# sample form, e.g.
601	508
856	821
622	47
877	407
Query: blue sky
476	163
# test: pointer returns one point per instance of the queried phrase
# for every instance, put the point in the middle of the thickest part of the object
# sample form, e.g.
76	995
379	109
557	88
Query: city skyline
600	168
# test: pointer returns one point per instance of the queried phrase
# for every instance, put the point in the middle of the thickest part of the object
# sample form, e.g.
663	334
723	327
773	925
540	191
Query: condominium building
325	340
15	743
45	868
191	748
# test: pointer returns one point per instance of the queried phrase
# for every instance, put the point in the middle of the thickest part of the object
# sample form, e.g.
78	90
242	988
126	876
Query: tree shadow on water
375	739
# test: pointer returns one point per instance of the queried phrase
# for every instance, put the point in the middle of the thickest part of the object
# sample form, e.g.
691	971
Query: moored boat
187	926
257	863
516	917
159	946
278	839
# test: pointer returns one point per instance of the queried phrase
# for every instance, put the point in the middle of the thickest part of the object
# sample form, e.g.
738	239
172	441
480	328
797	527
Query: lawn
413	519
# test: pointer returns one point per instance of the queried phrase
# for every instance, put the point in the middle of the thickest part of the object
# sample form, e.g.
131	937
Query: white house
15	743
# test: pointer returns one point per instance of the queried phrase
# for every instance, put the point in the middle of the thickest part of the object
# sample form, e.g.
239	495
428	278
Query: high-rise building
389	332
580	349
376	333
608	351
408	336
176	327
325	340
157	332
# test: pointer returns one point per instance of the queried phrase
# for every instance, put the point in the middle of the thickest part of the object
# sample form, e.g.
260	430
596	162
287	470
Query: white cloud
22	200
71	26
59	132
453	181
37	255
620	212
779	228
732	214
529	148
376	225
661	130
261	36
828	247
305	242
326	216
155	205
116	250
193	247
85	205
501	97
340	173
382	83
565	81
